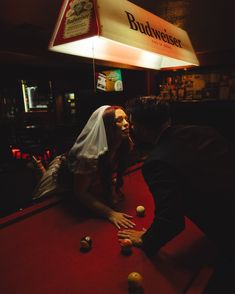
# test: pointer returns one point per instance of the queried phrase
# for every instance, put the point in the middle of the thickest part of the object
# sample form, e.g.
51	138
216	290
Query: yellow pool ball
135	280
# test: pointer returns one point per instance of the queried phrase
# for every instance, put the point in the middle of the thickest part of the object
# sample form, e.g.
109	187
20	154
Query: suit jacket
190	172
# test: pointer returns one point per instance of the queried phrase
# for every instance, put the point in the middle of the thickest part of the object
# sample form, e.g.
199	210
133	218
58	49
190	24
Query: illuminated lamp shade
120	32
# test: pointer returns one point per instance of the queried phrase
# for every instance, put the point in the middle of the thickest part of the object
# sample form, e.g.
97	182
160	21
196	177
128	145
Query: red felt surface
40	254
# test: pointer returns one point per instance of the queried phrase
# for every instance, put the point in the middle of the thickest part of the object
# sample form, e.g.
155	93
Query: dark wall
219	114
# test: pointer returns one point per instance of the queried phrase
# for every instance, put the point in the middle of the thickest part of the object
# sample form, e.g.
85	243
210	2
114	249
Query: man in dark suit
190	172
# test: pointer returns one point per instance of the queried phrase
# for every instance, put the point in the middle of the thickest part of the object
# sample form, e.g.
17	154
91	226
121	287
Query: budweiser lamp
120	32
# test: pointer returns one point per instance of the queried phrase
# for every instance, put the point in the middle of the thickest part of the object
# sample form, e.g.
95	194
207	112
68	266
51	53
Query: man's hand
133	235
120	219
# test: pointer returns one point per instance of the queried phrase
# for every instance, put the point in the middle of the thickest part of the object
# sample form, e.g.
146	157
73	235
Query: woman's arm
82	184
81	191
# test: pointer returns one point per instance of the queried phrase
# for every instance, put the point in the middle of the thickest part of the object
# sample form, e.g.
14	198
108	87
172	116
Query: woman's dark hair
110	125
121	159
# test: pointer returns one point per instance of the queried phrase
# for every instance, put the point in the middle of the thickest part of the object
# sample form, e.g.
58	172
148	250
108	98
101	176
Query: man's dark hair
149	111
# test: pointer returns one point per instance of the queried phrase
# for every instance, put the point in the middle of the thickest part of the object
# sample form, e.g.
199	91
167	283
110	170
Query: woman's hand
120	219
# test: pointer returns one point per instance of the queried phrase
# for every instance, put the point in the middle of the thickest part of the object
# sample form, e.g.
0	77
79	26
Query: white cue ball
140	210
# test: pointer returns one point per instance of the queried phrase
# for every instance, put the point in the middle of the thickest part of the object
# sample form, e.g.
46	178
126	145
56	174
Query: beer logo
78	18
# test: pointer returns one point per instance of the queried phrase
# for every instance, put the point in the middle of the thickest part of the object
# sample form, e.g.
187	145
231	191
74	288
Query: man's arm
169	215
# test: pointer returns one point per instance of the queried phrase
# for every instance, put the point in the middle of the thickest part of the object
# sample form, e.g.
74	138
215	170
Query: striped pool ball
126	245
85	243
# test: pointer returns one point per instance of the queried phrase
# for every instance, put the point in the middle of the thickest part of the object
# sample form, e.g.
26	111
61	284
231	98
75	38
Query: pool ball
140	210
88	240
86	243
126	245
126	251
135	280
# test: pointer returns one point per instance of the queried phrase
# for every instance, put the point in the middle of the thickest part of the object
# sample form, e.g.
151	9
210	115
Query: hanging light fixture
120	32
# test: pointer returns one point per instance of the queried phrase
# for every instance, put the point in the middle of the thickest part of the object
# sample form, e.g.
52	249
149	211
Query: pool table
40	251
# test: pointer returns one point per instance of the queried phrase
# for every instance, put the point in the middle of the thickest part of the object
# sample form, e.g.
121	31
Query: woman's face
121	121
